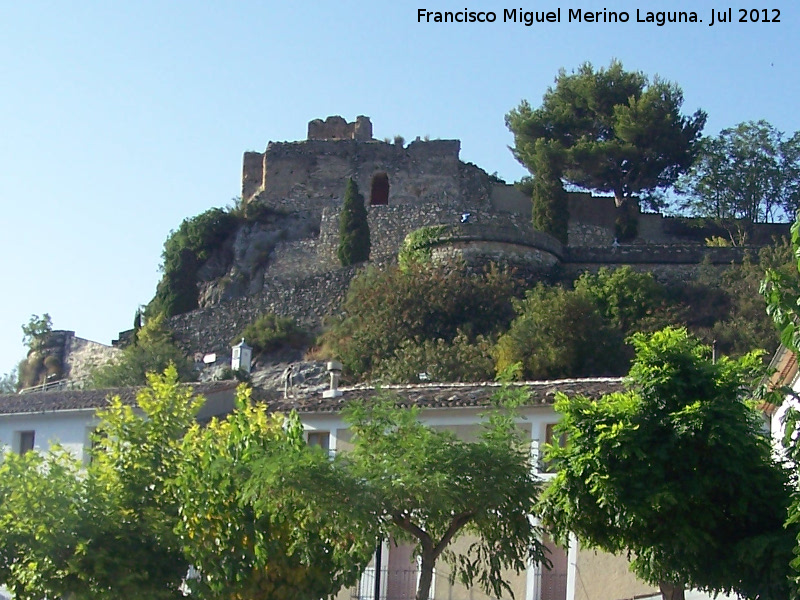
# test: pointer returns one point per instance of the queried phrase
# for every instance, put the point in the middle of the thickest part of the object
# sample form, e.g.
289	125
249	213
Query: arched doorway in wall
379	195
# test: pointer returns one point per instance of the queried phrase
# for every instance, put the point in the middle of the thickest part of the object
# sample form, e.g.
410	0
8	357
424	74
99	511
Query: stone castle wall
310	174
336	128
427	185
669	263
82	356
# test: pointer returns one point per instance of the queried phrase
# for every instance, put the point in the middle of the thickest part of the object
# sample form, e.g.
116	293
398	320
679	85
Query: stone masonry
294	269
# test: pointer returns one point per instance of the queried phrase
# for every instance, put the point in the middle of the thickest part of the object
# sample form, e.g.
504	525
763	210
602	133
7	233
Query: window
27	440
321	439
379	195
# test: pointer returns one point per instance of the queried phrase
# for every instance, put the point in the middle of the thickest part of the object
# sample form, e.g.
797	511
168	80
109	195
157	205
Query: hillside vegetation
448	323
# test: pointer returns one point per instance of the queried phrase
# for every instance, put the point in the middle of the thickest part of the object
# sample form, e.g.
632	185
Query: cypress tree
550	210
354	244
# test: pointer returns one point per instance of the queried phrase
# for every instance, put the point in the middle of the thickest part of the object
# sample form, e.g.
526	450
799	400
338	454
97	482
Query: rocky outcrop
238	267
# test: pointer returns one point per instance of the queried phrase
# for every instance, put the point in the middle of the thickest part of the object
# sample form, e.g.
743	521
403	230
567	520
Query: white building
577	574
37	420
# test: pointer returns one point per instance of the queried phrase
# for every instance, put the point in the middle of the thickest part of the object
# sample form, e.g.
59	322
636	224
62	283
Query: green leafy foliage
624	296
36	330
550	210
40	514
32	370
781	290
560	333
106	532
677	471
238	499
430	487
270	332
384	309
247	488
354	243
617	131
728	308
184	252
748	173
462	359
418	245
152	351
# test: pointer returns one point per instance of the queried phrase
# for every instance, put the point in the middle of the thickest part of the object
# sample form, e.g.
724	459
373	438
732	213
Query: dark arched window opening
380	190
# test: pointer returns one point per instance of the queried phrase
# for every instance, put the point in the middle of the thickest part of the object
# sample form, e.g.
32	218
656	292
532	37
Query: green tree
105	533
35	331
9	382
248	488
354	244
782	293
152	351
560	333
748	173
429	487
624	296
617	132
550	211
676	471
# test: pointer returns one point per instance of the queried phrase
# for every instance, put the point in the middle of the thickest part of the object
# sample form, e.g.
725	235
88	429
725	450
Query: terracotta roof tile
447	395
62	400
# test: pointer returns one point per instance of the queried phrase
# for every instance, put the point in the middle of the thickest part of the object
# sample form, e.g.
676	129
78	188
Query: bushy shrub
735	311
184	252
270	332
228	374
417	246
461	359
624	296
384	308
31	369
560	333
152	352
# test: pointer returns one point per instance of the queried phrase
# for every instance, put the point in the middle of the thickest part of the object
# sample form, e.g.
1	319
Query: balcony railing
395	584
553	586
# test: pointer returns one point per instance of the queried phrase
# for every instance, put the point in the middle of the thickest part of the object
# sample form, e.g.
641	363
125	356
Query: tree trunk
425	575
671	591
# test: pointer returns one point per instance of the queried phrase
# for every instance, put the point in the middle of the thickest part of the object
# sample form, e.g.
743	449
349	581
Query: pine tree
354	244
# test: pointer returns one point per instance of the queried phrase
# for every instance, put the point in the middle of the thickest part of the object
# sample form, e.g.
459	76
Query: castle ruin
290	266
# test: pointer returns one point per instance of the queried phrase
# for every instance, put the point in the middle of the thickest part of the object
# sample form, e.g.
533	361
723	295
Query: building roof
450	395
784	371
65	400
432	395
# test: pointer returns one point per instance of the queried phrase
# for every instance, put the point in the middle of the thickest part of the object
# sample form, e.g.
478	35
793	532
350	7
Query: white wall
69	428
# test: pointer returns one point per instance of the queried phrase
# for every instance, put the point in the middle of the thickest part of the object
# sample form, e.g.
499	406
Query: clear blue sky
119	119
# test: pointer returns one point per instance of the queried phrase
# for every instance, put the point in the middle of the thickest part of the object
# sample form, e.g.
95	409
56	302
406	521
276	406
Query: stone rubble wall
310	174
336	128
669	263
83	356
389	226
308	300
